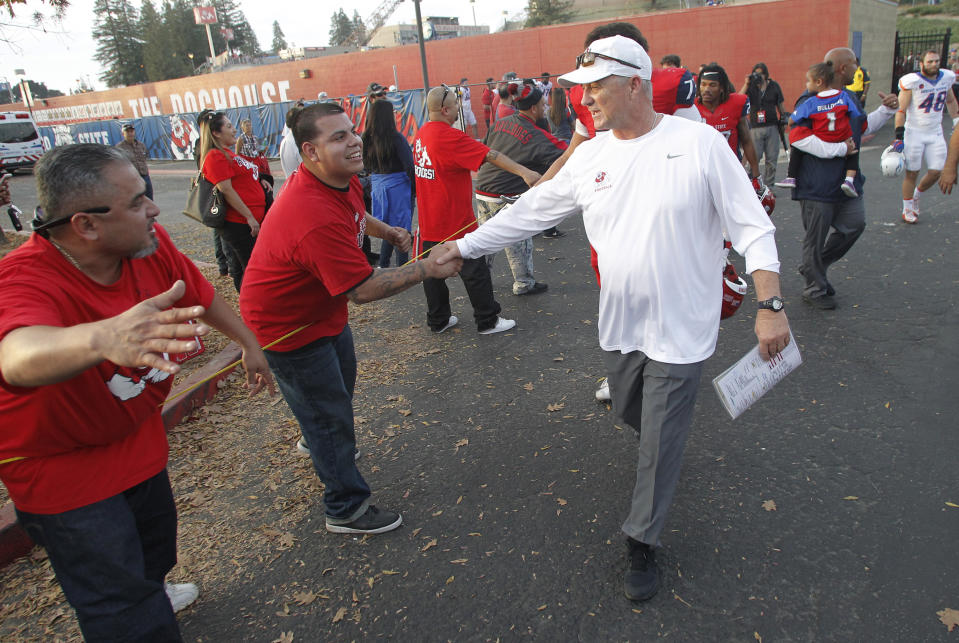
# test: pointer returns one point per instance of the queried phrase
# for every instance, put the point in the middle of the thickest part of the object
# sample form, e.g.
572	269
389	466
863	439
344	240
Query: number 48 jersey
928	98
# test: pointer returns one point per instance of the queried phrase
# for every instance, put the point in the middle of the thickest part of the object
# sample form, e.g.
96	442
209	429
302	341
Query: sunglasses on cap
588	58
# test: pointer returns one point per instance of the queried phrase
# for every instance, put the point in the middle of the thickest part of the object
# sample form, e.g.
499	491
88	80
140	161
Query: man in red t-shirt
488	94
727	112
307	264
93	321
443	158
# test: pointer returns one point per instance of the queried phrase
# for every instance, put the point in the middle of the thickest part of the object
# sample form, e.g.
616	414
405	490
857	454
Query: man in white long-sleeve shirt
656	193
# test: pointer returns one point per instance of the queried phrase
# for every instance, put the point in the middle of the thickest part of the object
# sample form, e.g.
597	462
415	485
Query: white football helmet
892	162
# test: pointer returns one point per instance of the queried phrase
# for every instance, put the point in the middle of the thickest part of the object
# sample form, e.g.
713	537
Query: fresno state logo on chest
601	181
360	220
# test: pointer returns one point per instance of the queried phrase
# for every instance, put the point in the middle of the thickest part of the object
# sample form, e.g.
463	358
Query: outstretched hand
443	262
446	252
142	334
889	100
400	239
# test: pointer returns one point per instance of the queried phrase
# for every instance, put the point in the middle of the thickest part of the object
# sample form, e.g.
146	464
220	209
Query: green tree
232	17
168	39
119	49
548	12
279	41
340	29
37	91
358	33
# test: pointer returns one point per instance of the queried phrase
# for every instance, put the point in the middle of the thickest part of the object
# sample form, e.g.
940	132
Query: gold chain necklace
69	257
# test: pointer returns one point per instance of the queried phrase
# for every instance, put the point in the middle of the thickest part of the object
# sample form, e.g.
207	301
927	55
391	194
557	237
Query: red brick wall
788	36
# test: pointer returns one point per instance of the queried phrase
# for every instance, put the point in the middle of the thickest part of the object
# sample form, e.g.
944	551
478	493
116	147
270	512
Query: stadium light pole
419	33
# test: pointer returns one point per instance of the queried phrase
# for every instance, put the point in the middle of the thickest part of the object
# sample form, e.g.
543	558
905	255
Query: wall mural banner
171	137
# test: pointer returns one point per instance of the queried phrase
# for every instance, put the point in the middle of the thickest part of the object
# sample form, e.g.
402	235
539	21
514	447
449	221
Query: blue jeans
317	383
111	558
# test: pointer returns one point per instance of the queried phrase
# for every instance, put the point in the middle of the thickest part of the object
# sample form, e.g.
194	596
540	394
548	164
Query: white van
20	142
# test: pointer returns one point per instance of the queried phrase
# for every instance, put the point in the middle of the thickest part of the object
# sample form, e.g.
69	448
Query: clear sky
63	53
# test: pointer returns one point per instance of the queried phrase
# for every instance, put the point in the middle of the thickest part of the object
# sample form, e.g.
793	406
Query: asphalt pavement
513	481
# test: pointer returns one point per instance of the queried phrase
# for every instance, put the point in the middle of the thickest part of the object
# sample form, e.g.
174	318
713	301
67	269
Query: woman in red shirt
238	179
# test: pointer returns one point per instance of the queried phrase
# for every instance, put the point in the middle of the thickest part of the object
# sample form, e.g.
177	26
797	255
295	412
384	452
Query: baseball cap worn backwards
613	56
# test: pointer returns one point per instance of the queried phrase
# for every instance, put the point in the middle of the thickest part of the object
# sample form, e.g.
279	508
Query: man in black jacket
823	203
765	116
518	137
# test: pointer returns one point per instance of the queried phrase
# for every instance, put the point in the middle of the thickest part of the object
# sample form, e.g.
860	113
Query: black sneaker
823	302
374	521
642	574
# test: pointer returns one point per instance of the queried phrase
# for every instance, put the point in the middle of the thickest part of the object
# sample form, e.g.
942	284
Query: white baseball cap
613	56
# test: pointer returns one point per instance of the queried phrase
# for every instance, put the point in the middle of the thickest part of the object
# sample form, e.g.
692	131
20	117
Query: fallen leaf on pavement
769	505
285	637
304	598
340	613
949	617
555	407
851	498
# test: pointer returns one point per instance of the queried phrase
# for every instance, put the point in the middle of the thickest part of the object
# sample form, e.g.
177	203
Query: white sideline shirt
654	208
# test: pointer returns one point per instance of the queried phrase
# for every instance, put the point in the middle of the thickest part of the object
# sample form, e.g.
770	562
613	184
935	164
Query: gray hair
648	88
69	177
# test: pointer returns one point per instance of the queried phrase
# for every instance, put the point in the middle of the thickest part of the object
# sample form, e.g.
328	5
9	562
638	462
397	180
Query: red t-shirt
307	256
245	178
487	101
726	117
98	433
444	157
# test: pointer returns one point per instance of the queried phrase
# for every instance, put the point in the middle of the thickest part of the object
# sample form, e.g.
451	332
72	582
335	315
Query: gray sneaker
374	521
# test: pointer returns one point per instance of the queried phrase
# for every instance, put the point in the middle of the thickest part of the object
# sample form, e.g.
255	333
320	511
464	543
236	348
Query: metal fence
910	48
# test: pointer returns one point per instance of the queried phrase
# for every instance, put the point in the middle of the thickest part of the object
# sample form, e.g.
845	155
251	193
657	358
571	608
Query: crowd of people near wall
87	358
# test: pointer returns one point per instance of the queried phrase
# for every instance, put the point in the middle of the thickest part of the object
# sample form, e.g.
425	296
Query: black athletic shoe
642	574
374	521
823	302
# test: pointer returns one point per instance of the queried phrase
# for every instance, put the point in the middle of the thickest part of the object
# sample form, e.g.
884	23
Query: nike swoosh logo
673	156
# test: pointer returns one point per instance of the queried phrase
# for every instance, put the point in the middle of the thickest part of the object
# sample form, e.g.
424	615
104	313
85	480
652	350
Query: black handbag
205	203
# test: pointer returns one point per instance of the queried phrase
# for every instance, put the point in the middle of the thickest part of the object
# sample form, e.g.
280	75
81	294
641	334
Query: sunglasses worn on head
446	90
588	58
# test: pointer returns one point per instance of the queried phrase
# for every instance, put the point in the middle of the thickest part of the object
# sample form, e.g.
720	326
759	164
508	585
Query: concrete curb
14	541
